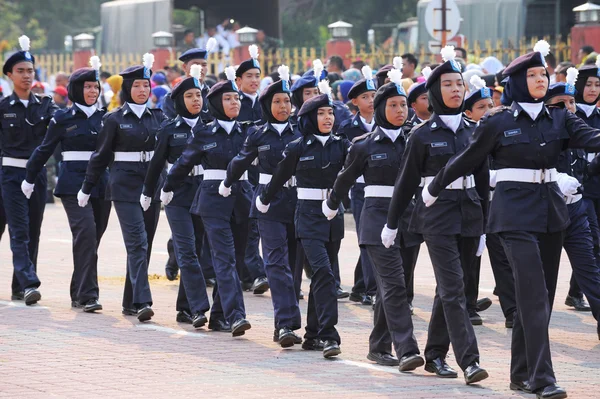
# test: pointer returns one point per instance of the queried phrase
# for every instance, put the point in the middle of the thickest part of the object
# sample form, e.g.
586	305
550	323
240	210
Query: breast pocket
439	149
510	139
306	163
11	127
178	140
379	161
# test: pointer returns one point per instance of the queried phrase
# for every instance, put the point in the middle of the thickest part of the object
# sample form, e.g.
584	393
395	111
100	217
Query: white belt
591	156
462	183
361	179
133	156
220	174
77	155
197	171
379	191
264	178
573	198
422	184
316	194
14	162
537	176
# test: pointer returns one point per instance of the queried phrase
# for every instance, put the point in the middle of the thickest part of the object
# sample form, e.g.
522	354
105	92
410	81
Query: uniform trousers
409	261
503	275
364	278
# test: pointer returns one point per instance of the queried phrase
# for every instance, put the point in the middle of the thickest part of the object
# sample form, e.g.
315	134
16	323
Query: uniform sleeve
157	163
40	155
482	185
52	108
168	106
242	161
192	155
354	167
103	154
286	168
581	135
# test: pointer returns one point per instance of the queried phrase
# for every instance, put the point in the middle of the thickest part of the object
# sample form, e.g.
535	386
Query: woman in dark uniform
76	130
451	230
315	159
225	219
128	137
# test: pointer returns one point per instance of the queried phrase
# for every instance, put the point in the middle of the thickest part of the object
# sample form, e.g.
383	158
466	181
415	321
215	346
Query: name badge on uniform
307	158
71	128
264	148
125	126
209	146
511	133
10	116
378	157
439	144
180	136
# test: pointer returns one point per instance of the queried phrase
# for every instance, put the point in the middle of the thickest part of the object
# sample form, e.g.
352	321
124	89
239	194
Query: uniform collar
252	98
215	126
379	134
517	110
585	109
127	110
269	126
15	99
311	139
435	122
357	122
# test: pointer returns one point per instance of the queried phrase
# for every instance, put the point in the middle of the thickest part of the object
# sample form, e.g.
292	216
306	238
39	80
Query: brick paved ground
50	350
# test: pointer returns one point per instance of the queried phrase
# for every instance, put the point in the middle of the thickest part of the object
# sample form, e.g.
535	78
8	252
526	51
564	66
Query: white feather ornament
253	50
148	60
318	68
426	72
542	47
95	62
24	42
211	44
395	76
230	73
398	63
572	74
324	87
477	82
448	53
196	71
284	72
367	72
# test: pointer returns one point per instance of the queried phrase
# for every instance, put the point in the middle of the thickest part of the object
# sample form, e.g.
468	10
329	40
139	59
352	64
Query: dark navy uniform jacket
267	144
123	131
340	111
171	139
168	106
73	131
23	129
430	146
315	166
353	127
250	113
515	141
591	184
212	147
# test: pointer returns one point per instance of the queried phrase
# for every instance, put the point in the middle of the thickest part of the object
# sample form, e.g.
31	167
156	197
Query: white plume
211	43
284	72
95	62
253	50
367	72
230	73
148	60
572	74
398	63
448	53
324	87
318	68
426	72
477	82
395	76
196	71
598	61
24	42
542	47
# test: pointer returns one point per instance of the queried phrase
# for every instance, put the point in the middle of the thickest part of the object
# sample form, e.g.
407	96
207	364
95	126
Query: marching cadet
453	228
24	118
225	219
418	100
127	137
382	75
76	129
276	227
377	156
186	228
361	94
315	159
528	210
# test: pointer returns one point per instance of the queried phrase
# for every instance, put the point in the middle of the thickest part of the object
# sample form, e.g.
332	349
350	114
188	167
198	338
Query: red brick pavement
50	350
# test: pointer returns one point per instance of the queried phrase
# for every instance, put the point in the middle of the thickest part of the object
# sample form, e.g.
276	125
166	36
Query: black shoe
384	359
76	305
297	338
331	349
520	386
17	296
199	320
440	368
410	362
286	337
356	296
341	294
91	306
239	327
476	320
368	300
129	312
183	316
301	295
260	286
412	309
551	392
313	344
32	296
145	313
475	373
510	321
219	325
483	304
580	304
171	271
246	286
211	282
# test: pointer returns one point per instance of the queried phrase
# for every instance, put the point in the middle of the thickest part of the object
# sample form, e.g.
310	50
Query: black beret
451	66
415	92
386	91
136	72
14	59
529	60
320	101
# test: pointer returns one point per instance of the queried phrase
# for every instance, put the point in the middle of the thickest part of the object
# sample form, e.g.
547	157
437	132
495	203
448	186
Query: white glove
27	188
166	197
262	208
224	191
492	178
145	202
481	246
82	199
567	184
427	198
329	213
388	236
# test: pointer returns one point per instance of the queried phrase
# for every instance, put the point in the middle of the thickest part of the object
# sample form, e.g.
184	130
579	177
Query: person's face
172	75
189	37
22	75
364	102
479	109
396	110
408	69
453	89
192	99
62	80
196	61
231	105
309	92
537	82
249	81
561	77
281	106
497	98
325	119
591	90
57	98
140	91
91	91
260	36
421	106
568	100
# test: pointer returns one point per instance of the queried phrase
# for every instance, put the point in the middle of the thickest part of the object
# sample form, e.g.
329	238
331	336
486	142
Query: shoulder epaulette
497	110
359	138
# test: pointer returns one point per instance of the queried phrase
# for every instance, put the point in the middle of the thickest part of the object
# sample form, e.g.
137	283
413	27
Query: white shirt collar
280	127
588	109
369	126
532	109
252	97
25	103
137	109
227	125
321	138
452	121
391	133
88	110
191	122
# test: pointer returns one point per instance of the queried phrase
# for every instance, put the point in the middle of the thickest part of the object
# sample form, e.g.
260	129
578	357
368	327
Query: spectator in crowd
61	79
5	87
358	64
189	40
173	73
227	31
551	67
335	64
583	53
60	96
223	46
115	82
352	74
409	66
268	44
561	71
38	88
461	53
158	94
491	65
106	92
